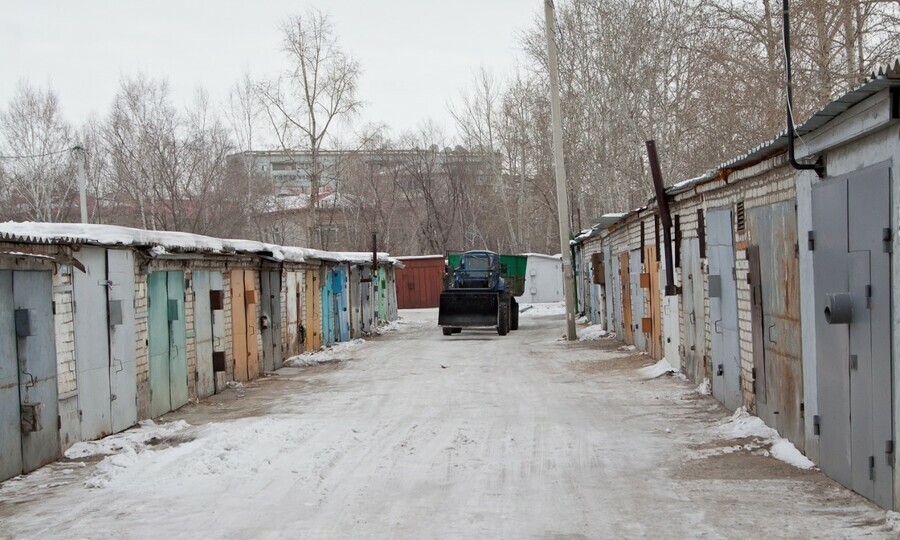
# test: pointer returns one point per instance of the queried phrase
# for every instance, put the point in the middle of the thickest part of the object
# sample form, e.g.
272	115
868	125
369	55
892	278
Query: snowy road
417	435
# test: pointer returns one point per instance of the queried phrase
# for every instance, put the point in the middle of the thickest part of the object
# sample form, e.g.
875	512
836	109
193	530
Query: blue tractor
477	296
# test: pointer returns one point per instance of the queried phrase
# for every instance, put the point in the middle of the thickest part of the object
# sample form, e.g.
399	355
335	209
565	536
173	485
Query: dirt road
418	435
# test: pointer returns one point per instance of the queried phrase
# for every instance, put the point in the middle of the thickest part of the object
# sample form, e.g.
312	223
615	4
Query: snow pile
743	425
215	455
663	367
327	356
130	439
704	389
543	309
592	333
398	325
627	348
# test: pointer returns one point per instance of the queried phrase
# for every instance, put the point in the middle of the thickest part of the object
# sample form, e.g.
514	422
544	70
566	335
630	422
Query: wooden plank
203	333
239	326
655	333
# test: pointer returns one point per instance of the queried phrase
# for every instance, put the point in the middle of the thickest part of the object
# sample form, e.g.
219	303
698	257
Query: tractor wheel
503	316
513	314
446	330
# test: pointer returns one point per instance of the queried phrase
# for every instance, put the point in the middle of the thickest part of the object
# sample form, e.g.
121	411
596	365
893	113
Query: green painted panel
158	330
513	276
178	383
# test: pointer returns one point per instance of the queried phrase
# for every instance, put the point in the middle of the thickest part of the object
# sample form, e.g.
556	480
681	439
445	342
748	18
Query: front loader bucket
467	307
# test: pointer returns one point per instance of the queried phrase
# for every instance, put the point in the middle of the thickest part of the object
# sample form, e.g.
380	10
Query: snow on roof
169	241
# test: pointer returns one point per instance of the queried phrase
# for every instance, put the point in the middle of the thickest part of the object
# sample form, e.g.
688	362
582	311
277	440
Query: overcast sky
416	54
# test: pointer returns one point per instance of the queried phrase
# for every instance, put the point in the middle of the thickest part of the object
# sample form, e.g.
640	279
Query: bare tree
319	90
38	168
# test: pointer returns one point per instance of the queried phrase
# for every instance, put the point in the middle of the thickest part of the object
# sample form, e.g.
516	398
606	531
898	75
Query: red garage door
420	282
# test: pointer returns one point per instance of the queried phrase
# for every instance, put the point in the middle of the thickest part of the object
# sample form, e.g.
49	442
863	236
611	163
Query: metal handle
121	366
771	326
31	380
693	318
716	326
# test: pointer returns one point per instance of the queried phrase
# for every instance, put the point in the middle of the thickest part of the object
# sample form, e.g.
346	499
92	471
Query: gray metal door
270	325
122	367
277	338
203	333
726	364
36	354
637	299
614	285
851	257
10	420
691	310
92	343
178	373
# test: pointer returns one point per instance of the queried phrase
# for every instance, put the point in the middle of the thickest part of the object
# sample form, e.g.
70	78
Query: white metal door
203	338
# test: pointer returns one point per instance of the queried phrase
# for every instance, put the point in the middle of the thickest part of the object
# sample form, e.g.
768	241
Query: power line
38	155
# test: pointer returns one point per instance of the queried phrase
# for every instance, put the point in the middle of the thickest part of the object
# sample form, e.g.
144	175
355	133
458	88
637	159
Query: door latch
720	370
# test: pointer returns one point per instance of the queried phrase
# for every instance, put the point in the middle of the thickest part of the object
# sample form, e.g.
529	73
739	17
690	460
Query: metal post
562	199
82	186
665	216
375	259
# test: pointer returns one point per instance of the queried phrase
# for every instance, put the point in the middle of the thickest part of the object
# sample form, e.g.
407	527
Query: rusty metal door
239	326
32	296
654	337
313	311
757	331
625	285
693	311
10	414
726	361
851	242
251	298
637	300
203	333
122	366
778	359
92	343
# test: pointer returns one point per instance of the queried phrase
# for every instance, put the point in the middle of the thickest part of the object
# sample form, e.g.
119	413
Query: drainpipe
819	165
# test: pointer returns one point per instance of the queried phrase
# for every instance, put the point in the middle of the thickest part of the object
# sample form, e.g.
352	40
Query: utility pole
561	194
82	186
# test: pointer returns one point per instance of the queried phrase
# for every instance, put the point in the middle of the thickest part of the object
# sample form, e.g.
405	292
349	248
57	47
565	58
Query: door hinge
816	427
887	237
868	297
854	362
753	383
53	306
871	467
59	422
889	450
811	240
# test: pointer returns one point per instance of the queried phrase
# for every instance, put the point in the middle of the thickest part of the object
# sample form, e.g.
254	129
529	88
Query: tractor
480	292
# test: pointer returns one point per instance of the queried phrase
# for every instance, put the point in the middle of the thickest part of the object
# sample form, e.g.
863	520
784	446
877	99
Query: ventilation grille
740	220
